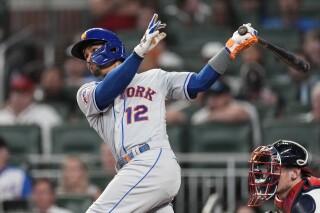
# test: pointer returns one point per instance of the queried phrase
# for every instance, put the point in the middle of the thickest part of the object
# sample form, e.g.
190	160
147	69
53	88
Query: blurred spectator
303	82
44	198
20	58
75	179
291	17
52	86
114	15
223	14
188	12
21	55
251	5
314	115
210	49
250	57
21	108
161	57
74	71
52	91
253	55
107	160
180	112
14	182
252	11
221	106
254	90
175	115
311	47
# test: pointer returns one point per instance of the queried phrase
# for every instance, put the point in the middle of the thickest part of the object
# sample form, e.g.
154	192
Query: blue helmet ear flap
109	52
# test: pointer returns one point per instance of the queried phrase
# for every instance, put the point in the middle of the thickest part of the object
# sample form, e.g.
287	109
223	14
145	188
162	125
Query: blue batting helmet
112	50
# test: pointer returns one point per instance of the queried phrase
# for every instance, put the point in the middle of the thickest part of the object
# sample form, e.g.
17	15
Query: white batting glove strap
151	37
238	39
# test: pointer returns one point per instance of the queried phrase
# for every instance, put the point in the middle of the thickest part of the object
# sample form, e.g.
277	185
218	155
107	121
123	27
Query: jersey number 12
137	114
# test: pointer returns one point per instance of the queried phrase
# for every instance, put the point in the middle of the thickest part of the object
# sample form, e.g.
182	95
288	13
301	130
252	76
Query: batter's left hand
151	37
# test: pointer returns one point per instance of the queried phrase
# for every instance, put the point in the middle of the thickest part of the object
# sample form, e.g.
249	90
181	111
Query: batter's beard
95	70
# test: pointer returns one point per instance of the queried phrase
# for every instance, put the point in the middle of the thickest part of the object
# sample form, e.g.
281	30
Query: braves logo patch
85	94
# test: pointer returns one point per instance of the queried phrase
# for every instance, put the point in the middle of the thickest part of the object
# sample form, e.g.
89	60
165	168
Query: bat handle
242	30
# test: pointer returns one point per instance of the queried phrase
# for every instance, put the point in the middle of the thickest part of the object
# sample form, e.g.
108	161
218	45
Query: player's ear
295	173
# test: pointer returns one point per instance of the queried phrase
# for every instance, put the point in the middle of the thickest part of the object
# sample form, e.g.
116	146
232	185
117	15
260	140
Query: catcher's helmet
291	153
112	50
266	163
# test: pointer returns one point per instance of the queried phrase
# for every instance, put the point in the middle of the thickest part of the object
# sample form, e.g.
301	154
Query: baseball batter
128	111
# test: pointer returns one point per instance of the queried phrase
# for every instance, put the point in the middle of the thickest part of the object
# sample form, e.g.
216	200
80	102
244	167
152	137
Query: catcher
279	170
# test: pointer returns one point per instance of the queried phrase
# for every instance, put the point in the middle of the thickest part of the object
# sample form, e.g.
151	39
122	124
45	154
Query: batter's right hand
151	37
241	42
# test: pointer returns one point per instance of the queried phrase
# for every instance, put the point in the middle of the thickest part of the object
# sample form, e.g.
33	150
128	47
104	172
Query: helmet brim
77	49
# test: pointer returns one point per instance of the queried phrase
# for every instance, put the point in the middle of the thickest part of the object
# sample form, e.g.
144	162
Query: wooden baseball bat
285	55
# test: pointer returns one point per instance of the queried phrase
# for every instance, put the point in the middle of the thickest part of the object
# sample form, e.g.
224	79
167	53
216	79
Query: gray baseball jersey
137	116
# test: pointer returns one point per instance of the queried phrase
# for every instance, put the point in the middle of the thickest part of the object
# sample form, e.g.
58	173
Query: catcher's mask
265	168
111	50
264	174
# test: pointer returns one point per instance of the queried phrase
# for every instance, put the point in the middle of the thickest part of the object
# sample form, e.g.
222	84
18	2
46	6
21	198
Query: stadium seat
279	37
75	203
221	137
176	134
199	35
295	108
62	109
15	206
75	138
22	139
307	134
287	91
265	111
71	93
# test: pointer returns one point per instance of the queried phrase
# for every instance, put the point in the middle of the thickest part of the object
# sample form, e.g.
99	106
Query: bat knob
306	67
242	30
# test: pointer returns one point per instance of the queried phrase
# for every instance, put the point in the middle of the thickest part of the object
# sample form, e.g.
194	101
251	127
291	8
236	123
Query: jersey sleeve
86	100
175	84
